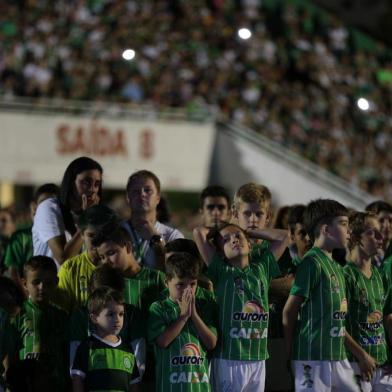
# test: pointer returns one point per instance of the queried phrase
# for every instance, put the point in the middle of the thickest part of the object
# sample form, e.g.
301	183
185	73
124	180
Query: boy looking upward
103	362
214	205
147	234
181	327
316	339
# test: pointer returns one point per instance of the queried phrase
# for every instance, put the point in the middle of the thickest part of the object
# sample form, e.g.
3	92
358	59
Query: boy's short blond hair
252	193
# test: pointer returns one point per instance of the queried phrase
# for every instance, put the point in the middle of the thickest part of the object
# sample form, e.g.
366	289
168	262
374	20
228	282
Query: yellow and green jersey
242	296
144	288
74	277
183	365
320	329
367	304
40	335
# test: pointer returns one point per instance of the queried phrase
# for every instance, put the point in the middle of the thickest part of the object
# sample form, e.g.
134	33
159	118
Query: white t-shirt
141	248
48	223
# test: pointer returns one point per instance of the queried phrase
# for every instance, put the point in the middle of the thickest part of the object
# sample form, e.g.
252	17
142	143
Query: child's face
233	242
215	209
371	238
87	236
252	215
385	220
300	239
116	255
110	320
338	232
143	195
177	286
40	285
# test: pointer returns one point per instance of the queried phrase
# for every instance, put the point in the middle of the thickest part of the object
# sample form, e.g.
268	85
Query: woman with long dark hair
55	233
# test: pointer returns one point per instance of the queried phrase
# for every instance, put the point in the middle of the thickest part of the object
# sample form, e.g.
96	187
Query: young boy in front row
182	329
316	339
103	362
369	303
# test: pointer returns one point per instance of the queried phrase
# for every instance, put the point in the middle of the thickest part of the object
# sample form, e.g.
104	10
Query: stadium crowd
90	301
296	81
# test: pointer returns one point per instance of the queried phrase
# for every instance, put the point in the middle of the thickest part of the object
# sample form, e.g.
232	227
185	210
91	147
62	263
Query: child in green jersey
74	274
11	300
241	289
181	327
314	315
368	302
103	362
40	326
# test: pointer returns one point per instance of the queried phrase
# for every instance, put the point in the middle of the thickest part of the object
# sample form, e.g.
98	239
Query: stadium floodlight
244	33
128	54
363	104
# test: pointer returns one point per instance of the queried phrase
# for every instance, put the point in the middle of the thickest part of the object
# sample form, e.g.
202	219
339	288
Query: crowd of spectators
296	80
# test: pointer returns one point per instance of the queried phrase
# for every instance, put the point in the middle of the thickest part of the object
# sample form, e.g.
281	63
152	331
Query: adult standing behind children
148	235
54	230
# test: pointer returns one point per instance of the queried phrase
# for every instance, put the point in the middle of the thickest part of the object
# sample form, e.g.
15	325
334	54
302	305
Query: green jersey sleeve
306	278
156	323
19	249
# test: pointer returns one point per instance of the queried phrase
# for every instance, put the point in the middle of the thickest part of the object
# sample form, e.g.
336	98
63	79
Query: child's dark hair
183	245
183	265
116	234
214	191
296	215
357	221
320	212
49	188
11	295
379	206
214	236
106	275
143	175
101	297
44	263
99	217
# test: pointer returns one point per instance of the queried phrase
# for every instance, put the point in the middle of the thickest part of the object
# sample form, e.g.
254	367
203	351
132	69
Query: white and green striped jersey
367	304
320	329
183	365
40	333
242	296
144	288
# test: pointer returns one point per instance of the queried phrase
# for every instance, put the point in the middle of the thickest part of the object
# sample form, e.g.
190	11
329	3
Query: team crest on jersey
307	374
239	285
190	355
83	283
341	313
335	284
363	297
251	311
373	321
127	363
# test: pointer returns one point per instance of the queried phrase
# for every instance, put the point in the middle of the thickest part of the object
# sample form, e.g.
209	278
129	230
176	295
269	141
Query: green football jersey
19	249
183	365
40	333
320	330
386	271
242	296
144	288
367	304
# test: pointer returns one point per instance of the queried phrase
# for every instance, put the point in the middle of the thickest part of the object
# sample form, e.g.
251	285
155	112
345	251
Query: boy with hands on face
182	328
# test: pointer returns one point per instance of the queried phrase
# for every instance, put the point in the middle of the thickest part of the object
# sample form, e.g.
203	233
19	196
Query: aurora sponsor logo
373	321
251	311
190	355
341	313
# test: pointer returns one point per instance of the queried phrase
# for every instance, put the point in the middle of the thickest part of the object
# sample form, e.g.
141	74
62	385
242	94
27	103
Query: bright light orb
128	54
363	104
244	33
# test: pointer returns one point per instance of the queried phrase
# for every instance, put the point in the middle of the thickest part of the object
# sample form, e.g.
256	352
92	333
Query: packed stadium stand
298	80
